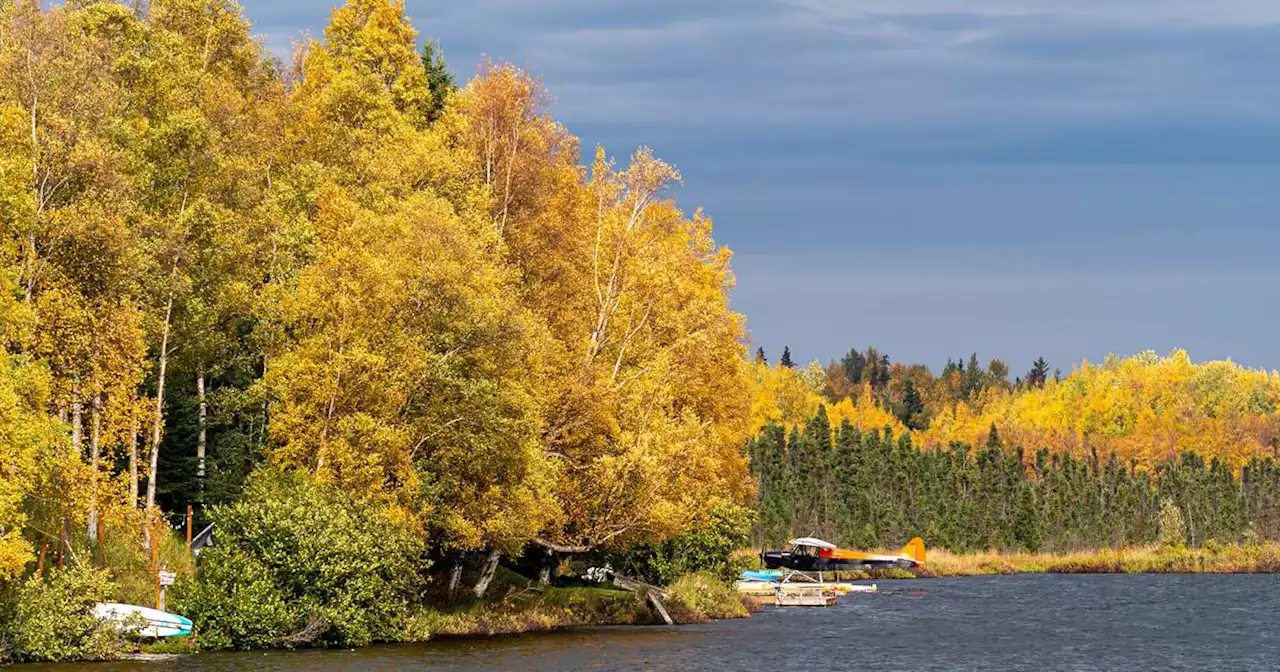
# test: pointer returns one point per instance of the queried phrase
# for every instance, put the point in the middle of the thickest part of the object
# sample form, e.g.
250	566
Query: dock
797	589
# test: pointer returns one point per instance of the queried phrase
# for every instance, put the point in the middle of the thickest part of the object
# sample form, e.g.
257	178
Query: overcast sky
1064	178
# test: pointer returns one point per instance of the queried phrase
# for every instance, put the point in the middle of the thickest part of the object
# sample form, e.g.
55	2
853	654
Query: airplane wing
911	555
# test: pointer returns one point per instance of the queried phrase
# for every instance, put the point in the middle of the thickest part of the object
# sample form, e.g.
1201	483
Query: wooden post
188	529
40	566
155	566
160	602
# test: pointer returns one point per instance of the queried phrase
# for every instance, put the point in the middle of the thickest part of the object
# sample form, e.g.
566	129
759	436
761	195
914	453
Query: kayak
762	575
144	621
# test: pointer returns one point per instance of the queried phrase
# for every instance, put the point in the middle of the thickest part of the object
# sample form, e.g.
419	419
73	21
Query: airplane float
815	555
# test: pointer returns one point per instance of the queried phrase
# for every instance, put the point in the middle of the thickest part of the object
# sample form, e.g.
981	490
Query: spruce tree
973	377
854	364
911	411
993	438
760	358
439	79
1039	373
786	358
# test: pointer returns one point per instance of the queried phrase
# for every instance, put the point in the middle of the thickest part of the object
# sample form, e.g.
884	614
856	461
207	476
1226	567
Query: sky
1016	178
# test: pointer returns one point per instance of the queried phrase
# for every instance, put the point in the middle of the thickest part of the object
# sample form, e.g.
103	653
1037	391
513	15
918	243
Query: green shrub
51	619
234	601
296	563
709	548
702	596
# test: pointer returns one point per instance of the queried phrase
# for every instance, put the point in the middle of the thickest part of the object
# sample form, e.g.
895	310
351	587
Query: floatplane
815	555
788	577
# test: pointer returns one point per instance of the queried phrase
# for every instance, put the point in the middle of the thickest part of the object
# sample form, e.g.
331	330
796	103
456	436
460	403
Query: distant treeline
874	489
1145	407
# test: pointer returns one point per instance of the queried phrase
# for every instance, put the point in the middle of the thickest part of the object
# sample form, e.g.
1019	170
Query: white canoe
144	621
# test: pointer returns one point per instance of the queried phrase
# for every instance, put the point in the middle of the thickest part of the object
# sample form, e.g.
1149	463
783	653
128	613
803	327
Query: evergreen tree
972	377
854	363
911	411
786	358
871	489
760	358
439	79
993	438
1039	373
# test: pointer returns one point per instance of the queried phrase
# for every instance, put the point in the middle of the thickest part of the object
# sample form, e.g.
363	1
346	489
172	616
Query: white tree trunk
487	573
200	440
547	572
455	577
133	465
95	447
157	428
77	424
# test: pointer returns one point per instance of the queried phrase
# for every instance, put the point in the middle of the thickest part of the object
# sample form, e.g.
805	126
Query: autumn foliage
1144	408
346	267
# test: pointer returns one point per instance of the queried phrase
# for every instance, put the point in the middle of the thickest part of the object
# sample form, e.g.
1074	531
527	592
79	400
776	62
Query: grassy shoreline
694	599
1210	559
699	598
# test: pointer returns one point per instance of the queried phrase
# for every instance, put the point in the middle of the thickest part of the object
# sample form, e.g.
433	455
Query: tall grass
1210	559
701	596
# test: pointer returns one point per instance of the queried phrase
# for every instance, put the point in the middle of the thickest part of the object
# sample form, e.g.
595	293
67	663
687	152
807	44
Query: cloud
1017	177
853	64
1218	12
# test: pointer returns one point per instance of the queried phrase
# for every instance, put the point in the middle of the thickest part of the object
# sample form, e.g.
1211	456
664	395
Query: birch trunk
487	573
455	578
77	425
200	439
157	427
548	568
95	446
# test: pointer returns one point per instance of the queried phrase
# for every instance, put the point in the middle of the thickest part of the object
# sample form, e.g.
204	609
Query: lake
1050	622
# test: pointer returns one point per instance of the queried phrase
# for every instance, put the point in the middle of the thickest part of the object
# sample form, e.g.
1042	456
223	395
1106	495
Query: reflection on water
994	623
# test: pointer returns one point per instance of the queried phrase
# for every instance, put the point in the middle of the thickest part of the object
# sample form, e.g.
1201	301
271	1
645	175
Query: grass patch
1213	559
170	646
528	610
701	597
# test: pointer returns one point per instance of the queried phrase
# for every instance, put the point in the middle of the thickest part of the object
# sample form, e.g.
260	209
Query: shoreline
529	612
559	609
1209	559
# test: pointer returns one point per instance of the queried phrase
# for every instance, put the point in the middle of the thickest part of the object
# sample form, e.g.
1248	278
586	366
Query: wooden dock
790	594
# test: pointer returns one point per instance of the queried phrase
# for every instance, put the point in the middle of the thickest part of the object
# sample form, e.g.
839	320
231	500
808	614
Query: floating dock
795	589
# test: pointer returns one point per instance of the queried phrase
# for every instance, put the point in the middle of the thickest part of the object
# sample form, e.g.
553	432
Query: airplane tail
914	550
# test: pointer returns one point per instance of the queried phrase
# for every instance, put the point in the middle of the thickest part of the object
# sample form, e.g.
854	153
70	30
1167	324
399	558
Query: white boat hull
144	621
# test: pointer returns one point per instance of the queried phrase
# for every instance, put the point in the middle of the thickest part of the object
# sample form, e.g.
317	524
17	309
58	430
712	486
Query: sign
167	578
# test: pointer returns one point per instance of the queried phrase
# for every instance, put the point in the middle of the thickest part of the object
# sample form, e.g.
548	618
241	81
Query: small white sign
167	578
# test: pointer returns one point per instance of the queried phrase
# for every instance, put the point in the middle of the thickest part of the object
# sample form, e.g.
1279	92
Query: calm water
998	623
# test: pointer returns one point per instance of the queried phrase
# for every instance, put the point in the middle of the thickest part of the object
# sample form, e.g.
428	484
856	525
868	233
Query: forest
1144	408
225	270
872	489
973	461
